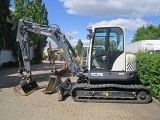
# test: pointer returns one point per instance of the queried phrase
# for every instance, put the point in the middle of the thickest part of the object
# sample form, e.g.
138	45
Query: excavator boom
27	83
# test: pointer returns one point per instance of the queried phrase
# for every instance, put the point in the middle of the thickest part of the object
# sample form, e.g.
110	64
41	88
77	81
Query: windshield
109	38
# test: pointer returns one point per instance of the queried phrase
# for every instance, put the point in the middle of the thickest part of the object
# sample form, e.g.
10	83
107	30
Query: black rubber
136	88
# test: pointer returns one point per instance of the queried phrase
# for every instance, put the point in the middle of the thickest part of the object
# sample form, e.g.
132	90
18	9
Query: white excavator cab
107	56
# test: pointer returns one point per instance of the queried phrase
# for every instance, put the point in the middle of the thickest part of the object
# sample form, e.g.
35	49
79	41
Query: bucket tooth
54	81
26	89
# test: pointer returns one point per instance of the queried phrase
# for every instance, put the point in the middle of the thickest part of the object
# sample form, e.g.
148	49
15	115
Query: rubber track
123	87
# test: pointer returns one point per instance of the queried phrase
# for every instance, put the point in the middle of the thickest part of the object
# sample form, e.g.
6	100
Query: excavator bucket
26	89
59	73
63	70
54	81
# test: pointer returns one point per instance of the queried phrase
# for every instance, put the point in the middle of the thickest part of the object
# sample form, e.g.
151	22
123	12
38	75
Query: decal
96	74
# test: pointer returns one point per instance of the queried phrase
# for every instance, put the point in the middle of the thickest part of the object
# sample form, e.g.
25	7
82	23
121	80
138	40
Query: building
143	46
9	43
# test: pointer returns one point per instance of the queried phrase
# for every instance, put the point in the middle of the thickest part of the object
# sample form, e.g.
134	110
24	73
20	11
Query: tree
79	47
147	33
4	13
99	41
34	11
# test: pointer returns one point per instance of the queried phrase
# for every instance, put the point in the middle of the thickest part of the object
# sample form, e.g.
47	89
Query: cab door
107	46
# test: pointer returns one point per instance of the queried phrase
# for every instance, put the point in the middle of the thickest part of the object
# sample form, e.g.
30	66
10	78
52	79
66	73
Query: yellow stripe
61	49
106	93
129	59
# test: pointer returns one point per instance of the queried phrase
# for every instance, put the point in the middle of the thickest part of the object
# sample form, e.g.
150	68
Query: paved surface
38	106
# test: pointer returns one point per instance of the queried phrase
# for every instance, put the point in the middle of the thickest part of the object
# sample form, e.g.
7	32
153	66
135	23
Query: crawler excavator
110	74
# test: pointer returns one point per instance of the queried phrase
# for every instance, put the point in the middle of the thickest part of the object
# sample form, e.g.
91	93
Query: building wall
142	45
6	56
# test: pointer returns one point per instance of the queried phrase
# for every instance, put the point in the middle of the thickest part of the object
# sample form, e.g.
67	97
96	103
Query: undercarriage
85	92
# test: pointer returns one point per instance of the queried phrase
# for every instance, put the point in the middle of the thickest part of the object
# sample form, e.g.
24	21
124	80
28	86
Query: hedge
148	68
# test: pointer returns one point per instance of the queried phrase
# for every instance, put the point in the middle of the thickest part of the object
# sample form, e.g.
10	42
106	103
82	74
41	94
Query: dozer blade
26	89
54	81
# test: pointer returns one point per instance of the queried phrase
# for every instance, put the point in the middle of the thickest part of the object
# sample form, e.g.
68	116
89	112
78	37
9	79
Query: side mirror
90	36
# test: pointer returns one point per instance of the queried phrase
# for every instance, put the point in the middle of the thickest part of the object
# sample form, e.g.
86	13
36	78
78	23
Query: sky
74	16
